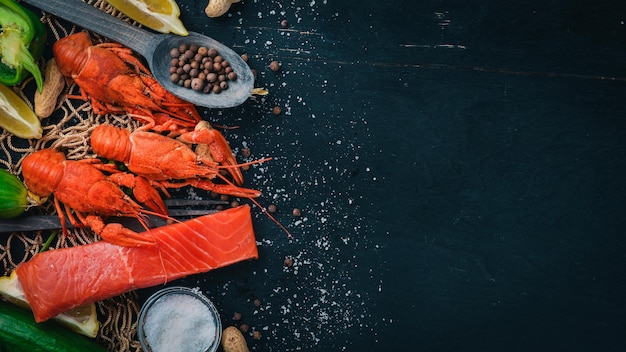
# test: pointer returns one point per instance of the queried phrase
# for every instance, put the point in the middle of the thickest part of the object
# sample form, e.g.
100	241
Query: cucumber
19	332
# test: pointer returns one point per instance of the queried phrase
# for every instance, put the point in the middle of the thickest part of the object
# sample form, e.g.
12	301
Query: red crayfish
87	194
117	82
170	163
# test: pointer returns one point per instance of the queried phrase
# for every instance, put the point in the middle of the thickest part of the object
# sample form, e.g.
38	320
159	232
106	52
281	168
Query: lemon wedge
83	319
159	15
16	116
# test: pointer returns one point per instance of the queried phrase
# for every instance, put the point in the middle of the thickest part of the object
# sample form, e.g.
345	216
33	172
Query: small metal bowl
179	319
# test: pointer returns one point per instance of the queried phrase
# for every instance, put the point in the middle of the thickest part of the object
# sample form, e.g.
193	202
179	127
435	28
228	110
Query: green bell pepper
22	40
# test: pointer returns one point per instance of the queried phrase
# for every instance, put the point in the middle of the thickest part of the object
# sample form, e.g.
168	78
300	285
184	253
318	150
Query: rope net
68	129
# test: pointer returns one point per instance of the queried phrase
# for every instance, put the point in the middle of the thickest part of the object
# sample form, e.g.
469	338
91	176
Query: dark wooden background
459	166
460	169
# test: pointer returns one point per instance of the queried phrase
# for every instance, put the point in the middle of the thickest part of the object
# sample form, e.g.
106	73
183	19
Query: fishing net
68	129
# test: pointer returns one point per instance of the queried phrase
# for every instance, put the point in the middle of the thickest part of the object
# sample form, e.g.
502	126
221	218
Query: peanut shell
233	340
216	8
53	85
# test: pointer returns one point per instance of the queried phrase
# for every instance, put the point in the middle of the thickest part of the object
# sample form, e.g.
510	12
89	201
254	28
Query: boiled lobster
87	194
117	82
170	163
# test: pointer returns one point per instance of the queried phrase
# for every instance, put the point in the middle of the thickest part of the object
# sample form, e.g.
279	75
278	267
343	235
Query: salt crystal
179	322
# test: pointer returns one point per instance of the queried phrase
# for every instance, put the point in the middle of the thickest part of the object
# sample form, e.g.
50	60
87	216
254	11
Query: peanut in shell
53	85
233	340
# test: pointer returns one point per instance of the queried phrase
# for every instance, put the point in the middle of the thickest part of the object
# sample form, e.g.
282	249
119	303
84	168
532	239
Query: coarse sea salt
179	322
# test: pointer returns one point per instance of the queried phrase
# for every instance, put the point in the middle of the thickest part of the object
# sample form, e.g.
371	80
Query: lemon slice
83	319
16	116
160	15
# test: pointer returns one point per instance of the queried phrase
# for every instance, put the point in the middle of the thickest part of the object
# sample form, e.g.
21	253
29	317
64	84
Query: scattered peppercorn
276	110
274	66
288	262
237	316
257	302
234	204
256	335
284	23
245	152
244	328
271	208
296	212
200	68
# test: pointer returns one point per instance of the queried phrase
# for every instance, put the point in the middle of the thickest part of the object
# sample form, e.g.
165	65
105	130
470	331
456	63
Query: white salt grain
179	322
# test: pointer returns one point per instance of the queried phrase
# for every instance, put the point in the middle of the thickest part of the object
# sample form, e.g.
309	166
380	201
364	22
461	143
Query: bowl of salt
179	319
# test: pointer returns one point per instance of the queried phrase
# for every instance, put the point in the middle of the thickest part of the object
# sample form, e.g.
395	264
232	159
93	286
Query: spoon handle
93	19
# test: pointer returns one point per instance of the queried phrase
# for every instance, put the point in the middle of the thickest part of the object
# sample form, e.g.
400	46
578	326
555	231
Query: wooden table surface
459	167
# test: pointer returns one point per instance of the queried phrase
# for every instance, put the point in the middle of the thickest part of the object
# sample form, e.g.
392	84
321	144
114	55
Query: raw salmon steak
58	280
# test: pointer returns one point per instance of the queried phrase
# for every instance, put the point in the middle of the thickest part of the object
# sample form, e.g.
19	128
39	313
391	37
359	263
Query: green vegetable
13	196
22	40
19	332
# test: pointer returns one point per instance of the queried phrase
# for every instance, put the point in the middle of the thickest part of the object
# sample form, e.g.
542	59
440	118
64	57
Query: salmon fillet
58	280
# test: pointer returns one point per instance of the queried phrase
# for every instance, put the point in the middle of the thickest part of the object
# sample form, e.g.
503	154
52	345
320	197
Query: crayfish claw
219	149
143	191
115	233
148	195
121	236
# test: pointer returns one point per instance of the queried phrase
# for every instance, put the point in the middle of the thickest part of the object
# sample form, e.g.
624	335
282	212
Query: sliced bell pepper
22	40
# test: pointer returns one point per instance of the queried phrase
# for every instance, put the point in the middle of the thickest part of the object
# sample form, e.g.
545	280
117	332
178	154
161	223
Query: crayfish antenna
229	182
236	166
252	199
254	162
168	218
271	217
224	127
144	223
142	220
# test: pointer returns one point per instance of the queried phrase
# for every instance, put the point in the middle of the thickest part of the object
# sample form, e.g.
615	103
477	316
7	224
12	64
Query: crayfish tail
111	142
